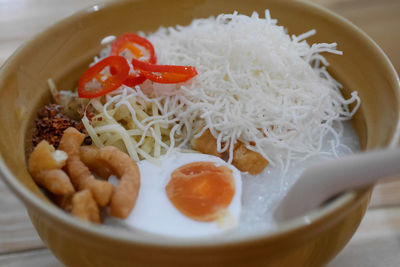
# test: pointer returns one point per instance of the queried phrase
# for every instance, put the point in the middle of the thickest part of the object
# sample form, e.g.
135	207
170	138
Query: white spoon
325	180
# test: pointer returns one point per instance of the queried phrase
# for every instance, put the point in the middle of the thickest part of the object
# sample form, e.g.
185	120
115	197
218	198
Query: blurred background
377	241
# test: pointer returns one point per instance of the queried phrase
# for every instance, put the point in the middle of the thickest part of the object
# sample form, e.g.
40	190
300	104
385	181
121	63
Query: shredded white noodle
255	84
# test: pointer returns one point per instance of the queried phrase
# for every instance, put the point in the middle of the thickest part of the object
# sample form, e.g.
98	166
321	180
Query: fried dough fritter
126	169
247	160
85	207
45	165
79	173
206	144
244	159
88	155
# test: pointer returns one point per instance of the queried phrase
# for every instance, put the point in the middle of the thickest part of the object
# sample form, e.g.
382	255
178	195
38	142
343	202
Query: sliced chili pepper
103	82
165	73
134	80
136	44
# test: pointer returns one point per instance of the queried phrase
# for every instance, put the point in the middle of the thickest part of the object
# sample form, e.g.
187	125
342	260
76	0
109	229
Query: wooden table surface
377	241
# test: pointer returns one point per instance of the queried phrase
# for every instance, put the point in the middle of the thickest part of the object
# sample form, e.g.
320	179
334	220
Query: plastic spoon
325	180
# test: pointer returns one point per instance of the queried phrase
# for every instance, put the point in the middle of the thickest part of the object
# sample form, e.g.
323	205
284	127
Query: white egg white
155	213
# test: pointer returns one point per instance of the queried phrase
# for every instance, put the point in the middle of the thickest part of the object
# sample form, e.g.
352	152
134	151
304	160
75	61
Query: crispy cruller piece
64	202
125	168
206	144
85	207
45	165
81	205
88	155
247	160
244	159
79	173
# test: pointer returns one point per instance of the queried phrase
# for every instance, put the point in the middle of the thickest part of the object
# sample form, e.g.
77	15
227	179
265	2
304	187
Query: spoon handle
325	180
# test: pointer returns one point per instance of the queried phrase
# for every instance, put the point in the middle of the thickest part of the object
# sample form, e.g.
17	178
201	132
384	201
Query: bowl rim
297	224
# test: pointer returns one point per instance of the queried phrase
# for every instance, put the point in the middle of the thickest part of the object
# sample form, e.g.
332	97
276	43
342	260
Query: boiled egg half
188	195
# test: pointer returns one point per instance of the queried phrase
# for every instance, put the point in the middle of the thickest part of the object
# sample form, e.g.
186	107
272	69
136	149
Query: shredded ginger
255	83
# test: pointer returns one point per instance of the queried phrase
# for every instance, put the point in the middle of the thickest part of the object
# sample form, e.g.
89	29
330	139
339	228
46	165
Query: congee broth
192	131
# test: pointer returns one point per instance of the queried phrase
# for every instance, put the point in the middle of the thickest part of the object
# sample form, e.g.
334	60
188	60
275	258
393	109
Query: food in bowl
178	202
238	88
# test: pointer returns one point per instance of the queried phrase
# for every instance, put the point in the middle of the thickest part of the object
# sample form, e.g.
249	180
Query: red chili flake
51	123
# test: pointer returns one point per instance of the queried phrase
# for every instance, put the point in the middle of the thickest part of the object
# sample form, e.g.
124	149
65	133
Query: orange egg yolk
201	190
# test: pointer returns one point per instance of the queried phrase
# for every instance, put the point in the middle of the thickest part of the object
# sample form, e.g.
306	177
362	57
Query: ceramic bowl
64	50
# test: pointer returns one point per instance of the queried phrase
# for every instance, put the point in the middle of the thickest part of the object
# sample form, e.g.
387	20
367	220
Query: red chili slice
135	44
107	82
165	73
134	80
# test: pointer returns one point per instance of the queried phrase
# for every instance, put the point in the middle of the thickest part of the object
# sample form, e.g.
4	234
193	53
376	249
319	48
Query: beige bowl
65	49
